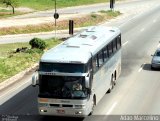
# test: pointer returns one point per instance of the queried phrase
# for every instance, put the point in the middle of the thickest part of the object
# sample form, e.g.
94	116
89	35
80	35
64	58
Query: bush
93	15
37	43
23	49
31	51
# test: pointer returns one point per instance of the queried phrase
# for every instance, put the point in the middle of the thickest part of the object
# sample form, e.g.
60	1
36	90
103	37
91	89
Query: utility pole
112	3
71	27
56	16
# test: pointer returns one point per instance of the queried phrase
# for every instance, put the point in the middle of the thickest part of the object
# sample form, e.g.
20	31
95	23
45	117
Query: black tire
115	77
152	67
94	104
114	82
111	84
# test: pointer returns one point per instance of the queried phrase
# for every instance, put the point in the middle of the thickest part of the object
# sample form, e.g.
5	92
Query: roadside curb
17	77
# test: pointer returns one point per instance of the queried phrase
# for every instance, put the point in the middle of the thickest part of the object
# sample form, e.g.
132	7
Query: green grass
5	10
8	13
48	4
11	63
88	20
110	13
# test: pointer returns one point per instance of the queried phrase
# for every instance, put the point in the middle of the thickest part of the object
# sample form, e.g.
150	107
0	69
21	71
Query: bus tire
111	85
152	68
93	106
115	77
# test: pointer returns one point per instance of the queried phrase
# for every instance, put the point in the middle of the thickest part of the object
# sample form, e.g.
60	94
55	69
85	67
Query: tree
12	3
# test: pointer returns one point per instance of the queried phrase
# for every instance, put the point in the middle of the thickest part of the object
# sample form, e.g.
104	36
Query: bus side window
95	64
118	41
89	66
106	54
114	46
110	49
100	58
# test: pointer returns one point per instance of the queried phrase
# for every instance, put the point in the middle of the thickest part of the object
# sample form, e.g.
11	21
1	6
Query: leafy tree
12	3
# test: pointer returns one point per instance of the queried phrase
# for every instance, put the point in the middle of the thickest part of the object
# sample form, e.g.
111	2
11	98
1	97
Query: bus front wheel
93	105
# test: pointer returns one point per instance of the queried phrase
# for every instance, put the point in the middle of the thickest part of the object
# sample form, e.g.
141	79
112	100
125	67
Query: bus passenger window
89	66
95	64
110	49
105	53
100	58
114	46
118	41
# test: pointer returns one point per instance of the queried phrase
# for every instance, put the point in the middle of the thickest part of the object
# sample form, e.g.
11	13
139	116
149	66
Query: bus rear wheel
115	77
111	85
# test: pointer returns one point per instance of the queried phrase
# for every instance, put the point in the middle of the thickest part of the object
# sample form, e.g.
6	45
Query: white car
156	59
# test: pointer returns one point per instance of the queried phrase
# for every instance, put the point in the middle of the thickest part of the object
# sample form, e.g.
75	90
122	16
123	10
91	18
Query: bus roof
80	48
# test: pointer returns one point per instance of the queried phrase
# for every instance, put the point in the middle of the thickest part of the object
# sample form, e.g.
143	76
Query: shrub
93	15
37	43
23	49
31	51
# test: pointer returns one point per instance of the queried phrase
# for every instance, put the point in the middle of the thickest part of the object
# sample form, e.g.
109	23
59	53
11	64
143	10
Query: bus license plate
60	111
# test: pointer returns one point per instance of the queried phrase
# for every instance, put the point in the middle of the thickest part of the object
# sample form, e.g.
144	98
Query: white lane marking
142	30
125	43
113	106
12	90
129	20
141	67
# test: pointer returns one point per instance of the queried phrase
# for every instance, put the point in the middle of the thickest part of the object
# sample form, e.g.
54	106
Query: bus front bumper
70	112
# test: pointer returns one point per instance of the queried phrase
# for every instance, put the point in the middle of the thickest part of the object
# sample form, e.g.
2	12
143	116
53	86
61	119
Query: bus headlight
43	110
80	106
78	112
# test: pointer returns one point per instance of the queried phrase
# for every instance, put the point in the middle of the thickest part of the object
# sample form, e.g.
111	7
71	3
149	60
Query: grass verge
8	13
49	4
12	63
87	20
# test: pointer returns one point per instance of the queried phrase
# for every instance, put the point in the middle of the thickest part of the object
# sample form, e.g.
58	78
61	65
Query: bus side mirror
35	79
87	82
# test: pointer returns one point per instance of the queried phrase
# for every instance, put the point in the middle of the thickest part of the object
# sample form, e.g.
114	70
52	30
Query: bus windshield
62	87
62	67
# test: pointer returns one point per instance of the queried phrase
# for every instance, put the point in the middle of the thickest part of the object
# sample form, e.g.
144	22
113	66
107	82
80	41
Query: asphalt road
137	89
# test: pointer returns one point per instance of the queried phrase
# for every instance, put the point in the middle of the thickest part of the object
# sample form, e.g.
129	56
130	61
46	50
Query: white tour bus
76	74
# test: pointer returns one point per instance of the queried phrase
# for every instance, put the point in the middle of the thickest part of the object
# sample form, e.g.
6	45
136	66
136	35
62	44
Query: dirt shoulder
34	21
